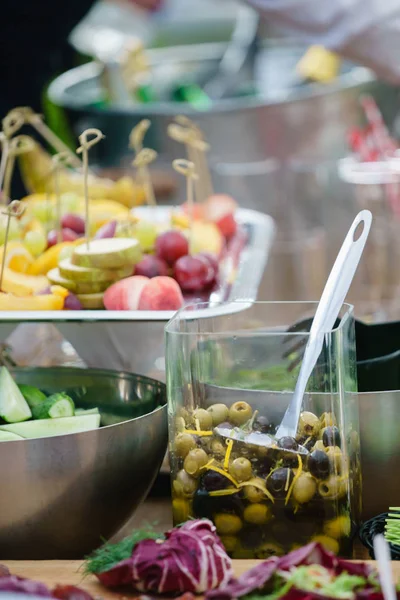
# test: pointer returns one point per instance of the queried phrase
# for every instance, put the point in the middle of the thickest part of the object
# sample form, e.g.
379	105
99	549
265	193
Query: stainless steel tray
134	340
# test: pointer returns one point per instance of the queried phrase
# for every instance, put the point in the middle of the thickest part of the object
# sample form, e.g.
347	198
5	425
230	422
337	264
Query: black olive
262	425
212	481
319	464
307	442
279	481
331	436
288	443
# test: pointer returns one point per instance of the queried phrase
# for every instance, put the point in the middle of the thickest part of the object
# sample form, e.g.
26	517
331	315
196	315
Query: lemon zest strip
199	433
295	478
225	474
260	487
227	492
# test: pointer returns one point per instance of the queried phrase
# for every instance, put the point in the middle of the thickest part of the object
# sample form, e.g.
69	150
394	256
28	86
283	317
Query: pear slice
88	275
78	287
91	301
109	253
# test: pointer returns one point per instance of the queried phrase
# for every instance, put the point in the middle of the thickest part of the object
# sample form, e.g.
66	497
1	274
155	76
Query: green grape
43	212
35	242
14	231
146	234
69	203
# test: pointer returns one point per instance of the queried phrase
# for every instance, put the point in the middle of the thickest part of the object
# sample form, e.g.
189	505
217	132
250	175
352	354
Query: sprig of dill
109	555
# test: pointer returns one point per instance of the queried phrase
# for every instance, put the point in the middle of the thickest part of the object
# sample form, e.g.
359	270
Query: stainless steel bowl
287	119
61	496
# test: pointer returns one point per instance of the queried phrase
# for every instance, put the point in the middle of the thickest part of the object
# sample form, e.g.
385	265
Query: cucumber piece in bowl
51	427
13	406
32	395
56	406
7	436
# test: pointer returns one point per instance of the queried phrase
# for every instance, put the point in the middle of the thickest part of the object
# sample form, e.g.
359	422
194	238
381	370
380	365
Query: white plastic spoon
382	555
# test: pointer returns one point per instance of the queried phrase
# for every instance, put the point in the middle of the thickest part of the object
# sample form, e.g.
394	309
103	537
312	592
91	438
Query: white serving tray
134	340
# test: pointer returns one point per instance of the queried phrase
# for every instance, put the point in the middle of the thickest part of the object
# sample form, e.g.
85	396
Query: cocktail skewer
188	170
4	157
83	149
16	146
137	135
142	161
58	159
200	147
184	135
14	209
23	114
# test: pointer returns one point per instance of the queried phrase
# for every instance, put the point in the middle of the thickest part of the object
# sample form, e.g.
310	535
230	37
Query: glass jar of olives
231	372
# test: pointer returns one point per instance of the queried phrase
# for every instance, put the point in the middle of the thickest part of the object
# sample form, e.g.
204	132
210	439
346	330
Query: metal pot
287	118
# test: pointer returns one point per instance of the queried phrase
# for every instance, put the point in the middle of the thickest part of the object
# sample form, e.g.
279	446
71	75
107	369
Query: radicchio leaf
252	580
11	583
190	559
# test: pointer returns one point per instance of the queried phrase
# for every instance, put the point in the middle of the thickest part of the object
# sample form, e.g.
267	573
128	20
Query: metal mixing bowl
61	496
286	119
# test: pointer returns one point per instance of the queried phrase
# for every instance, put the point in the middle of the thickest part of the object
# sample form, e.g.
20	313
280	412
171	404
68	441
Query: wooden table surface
70	573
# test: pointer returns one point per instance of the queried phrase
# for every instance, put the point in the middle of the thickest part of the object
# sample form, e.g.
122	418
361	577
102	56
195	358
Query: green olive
257	514
304	488
227	524
242	553
180	424
180	510
336	457
219	413
333	488
319	445
230	542
253	493
269	549
328	419
240	469
194	461
218	448
240	413
339	527
184	485
327	542
204	418
309	424
184	443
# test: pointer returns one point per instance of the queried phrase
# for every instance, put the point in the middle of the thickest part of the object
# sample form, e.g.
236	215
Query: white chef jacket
364	31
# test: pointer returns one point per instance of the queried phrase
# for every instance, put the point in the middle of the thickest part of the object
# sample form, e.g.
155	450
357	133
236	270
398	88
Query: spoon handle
382	555
333	296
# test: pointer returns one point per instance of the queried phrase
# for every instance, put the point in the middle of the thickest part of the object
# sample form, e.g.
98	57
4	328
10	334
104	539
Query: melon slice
109	253
78	287
89	275
91	301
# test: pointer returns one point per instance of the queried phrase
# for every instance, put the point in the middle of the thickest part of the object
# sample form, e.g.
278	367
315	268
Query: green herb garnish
109	555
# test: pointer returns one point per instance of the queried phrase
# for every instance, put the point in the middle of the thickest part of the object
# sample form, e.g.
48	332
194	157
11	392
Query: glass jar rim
202	310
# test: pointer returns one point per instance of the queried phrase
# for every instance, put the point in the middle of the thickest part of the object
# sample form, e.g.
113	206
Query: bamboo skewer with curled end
14	209
137	135
184	136
16	146
199	148
188	170
83	149
25	115
142	161
62	158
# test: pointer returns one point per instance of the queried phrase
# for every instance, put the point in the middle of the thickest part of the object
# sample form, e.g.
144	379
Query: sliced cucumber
86	411
7	436
51	427
32	395
13	406
54	407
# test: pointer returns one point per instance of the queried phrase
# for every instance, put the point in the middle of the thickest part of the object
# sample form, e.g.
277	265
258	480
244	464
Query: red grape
67	235
106	231
74	222
193	273
72	302
212	261
151	266
171	245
